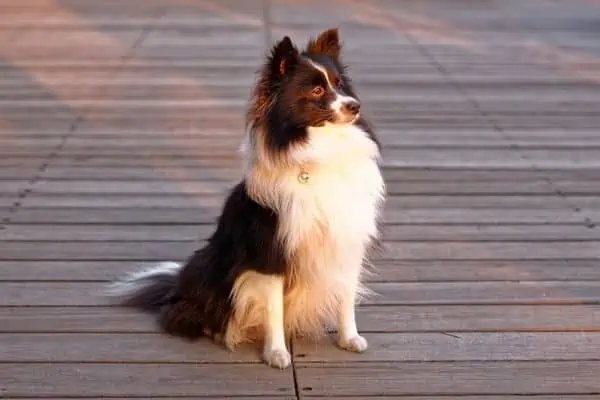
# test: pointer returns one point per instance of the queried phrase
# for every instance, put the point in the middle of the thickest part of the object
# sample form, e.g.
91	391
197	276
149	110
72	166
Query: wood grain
147	251
389	293
76	379
118	348
384	271
463	346
461	318
186	233
475	377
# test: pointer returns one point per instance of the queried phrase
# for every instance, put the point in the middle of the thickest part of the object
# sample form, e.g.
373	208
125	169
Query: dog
294	237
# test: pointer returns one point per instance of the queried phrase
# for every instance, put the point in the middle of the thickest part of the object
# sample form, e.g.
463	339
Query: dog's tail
148	289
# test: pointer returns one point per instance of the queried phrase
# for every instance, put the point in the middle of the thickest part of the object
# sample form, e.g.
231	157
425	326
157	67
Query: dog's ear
284	57
327	44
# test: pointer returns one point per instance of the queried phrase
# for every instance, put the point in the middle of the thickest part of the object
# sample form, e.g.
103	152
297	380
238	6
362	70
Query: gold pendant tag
303	177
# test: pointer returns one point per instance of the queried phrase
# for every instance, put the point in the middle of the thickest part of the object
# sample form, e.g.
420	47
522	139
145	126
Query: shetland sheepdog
293	240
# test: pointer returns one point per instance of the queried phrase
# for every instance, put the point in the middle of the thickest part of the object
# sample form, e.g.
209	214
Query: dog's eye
317	91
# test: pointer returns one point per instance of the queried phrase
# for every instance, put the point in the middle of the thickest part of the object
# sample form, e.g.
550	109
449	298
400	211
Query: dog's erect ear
327	44
284	56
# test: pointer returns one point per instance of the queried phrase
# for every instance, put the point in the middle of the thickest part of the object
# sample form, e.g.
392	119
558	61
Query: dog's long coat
290	246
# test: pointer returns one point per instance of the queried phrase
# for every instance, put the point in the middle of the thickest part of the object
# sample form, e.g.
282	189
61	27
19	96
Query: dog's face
312	85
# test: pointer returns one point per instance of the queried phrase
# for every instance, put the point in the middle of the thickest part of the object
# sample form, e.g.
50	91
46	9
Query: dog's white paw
357	344
277	358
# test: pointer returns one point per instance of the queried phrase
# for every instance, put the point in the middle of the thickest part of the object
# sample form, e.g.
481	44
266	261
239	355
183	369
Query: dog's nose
352	107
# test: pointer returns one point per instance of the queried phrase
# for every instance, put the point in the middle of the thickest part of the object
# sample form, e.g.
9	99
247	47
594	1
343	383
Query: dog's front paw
277	358
357	344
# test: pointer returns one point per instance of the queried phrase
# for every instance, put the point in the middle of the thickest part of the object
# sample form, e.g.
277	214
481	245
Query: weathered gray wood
490	250
395	271
486	270
158	347
146	251
480	318
469	233
393	187
476	378
465	318
252	397
456	397
120	210
409	293
179	200
13	187
18	173
242	398
122	348
463	346
390	174
446	293
76	379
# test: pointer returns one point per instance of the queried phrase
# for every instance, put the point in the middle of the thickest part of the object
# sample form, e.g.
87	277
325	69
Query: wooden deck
119	127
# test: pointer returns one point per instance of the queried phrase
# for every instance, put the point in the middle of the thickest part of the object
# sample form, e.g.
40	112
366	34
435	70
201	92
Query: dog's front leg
275	351
348	337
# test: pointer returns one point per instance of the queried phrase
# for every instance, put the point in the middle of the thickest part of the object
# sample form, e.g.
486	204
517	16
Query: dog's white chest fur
326	222
340	200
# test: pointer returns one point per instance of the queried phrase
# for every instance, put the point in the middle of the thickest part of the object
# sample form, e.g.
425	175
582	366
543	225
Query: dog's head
313	82
298	90
309	87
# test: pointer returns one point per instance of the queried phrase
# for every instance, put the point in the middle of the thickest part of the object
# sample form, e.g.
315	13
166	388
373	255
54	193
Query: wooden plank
240	398
485	270
187	233
7	201
446	293
159	347
142	380
156	145
408	158
388	293
122	211
147	251
119	347
460	203
13	187
462	318
141	173
18	173
143	251
452	397
396	271
473	318
463	346
445	378
220	187
490	250
171	233
490	232
389	174
252	397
